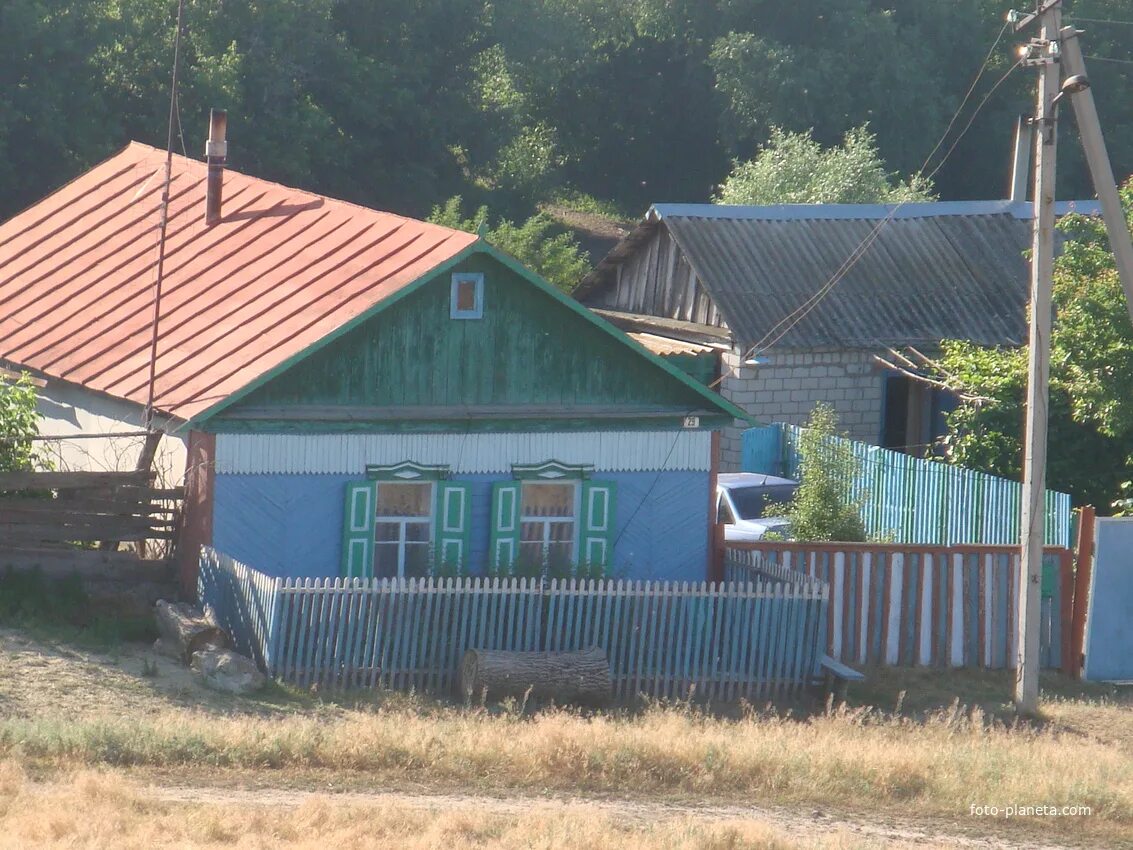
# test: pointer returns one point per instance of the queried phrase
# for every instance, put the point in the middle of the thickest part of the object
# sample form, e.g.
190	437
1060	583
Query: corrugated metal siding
614	451
921	280
913	500
281	270
935	271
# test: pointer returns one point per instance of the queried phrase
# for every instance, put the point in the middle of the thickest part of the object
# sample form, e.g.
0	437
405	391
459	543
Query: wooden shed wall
657	280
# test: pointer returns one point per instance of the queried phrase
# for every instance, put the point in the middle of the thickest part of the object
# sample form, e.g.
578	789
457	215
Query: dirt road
884	832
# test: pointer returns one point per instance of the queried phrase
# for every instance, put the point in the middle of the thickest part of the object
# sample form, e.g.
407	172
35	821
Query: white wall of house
67	411
787	387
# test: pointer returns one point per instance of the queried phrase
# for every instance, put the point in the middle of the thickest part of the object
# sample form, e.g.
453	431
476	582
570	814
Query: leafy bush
19	422
1091	381
795	169
555	257
822	508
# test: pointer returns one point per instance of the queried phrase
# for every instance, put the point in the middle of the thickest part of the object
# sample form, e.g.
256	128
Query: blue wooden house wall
291	525
536	379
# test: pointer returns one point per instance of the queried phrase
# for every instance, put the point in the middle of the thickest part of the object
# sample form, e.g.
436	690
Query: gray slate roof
944	270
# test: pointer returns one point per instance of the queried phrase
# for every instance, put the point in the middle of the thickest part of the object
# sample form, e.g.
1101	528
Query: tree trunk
184	630
581	677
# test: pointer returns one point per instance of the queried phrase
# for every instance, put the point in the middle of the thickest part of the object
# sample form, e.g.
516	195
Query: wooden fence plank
70	480
662	639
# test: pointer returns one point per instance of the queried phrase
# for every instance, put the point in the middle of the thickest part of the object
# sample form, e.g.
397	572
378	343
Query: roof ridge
328	198
862	212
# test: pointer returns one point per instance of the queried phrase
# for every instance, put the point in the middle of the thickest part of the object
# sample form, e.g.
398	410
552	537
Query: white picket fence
662	639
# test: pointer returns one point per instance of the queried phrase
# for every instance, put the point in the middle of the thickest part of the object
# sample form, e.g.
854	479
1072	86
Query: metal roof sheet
664	346
281	270
941	270
924	209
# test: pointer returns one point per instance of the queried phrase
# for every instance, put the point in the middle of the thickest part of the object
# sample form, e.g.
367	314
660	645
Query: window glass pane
396	498
385	560
387	531
416	559
417	532
561	531
531	531
560	555
531	553
548	499
466	296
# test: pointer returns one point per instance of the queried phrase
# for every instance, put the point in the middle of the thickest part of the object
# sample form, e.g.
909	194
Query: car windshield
751	502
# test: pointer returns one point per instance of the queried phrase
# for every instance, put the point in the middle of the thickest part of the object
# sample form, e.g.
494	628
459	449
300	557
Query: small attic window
467	298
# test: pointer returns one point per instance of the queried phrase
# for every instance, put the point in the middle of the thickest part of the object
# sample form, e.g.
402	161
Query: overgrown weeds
59	609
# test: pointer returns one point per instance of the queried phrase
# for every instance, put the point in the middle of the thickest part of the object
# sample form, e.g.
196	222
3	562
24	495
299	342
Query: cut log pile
577	678
189	635
184	630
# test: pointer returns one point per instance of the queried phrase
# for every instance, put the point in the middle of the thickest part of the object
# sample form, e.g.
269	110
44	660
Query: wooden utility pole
1101	172
1033	514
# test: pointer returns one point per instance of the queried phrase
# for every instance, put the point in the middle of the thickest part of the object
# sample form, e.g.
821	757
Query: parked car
742	499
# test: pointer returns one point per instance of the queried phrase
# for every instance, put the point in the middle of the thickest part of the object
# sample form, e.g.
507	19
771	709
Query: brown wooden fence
59	509
912	605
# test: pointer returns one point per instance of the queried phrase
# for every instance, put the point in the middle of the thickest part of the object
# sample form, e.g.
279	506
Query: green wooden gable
534	356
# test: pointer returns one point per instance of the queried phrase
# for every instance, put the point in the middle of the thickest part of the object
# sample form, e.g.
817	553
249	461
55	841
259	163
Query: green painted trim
717	400
450	426
407	471
551	470
479	246
341	330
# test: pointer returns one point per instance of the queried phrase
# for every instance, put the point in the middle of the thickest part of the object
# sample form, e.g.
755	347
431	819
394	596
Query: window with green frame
404	521
550	519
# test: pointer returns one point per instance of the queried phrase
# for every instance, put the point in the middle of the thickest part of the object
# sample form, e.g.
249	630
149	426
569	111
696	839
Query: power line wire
976	112
792	319
1074	18
967	95
1106	59
149	409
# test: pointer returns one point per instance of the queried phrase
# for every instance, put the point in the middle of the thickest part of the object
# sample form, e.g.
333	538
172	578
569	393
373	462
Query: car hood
755	529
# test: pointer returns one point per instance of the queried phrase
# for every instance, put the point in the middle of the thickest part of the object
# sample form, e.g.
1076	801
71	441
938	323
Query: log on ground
185	630
581	677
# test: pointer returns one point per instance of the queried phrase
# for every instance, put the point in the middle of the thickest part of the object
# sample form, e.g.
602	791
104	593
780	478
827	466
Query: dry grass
102	810
938	766
62	710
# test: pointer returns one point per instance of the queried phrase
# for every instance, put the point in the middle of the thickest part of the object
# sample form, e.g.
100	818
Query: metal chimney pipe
216	154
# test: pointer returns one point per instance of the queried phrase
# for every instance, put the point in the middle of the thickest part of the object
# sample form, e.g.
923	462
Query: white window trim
576	520
477	311
402	522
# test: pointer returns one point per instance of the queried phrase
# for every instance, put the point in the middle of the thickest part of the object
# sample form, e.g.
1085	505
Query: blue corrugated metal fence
663	639
912	500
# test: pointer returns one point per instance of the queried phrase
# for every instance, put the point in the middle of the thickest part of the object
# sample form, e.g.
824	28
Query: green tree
556	257
794	169
19	422
823	508
1090	423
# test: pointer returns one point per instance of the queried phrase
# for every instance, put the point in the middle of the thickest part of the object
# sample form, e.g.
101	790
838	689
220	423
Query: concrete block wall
787	387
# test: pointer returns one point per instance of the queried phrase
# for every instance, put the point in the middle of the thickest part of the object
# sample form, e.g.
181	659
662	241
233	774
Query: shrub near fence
921	605
912	500
663	639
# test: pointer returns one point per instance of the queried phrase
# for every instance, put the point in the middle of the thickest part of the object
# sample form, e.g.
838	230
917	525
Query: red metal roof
283	269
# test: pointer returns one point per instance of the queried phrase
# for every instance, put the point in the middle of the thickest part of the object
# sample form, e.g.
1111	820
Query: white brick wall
787	387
